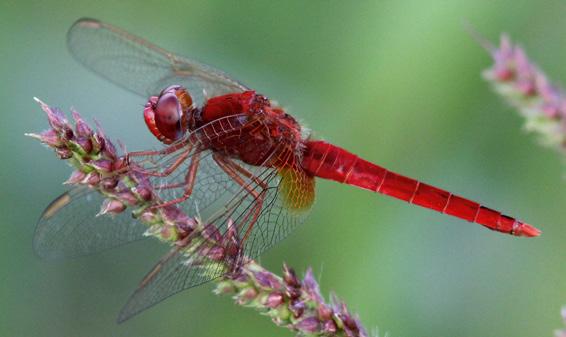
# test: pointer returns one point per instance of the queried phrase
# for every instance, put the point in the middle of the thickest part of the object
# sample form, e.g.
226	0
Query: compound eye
163	118
165	115
168	110
168	115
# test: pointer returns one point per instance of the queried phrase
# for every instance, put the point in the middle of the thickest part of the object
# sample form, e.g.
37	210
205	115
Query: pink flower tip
111	206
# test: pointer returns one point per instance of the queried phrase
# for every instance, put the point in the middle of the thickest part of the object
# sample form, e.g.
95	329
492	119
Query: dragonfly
228	153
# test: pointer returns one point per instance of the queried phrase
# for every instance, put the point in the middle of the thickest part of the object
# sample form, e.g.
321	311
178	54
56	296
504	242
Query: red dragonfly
230	155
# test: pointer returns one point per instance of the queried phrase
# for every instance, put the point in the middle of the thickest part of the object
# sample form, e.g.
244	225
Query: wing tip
81	23
122	316
86	22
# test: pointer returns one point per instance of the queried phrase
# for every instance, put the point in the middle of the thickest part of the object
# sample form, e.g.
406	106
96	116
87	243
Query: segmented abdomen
328	161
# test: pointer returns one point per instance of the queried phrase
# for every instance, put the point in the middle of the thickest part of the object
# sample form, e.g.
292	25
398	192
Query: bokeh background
397	82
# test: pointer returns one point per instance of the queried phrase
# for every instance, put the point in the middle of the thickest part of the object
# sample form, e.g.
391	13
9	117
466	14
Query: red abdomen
327	161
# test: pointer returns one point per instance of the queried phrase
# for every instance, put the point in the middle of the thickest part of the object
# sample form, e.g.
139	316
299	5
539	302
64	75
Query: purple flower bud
246	295
75	178
215	253
551	110
309	325
111	206
81	127
55	117
526	87
546	90
233	250
350	323
93	178
267	280
147	217
67	133
49	137
503	74
172	213
324	312
311	286
292	293
210	232
274	300
329	327
127	197
64	153
290	277
186	224
85	144
98	142
297	308
121	164
102	165
144	193
240	277
109	183
522	64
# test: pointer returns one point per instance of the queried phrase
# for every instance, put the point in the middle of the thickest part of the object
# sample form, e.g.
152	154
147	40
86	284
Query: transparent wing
263	203
70	227
172	274
140	66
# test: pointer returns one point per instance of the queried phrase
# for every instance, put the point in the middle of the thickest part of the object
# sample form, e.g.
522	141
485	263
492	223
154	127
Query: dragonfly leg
169	169
189	183
188	143
165	151
235	171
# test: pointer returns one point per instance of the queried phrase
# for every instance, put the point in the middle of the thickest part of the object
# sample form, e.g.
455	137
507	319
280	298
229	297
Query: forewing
70	227
139	65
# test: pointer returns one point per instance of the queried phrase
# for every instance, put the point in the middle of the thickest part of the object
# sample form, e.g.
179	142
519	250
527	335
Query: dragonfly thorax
246	126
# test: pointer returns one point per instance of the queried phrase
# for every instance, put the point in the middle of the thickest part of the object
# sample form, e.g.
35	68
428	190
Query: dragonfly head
167	115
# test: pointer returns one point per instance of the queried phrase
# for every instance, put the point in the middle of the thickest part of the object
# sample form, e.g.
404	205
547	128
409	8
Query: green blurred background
397	82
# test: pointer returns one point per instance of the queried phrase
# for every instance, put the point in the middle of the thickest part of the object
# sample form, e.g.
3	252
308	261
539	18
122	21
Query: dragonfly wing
140	66
70	227
175	272
283	196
